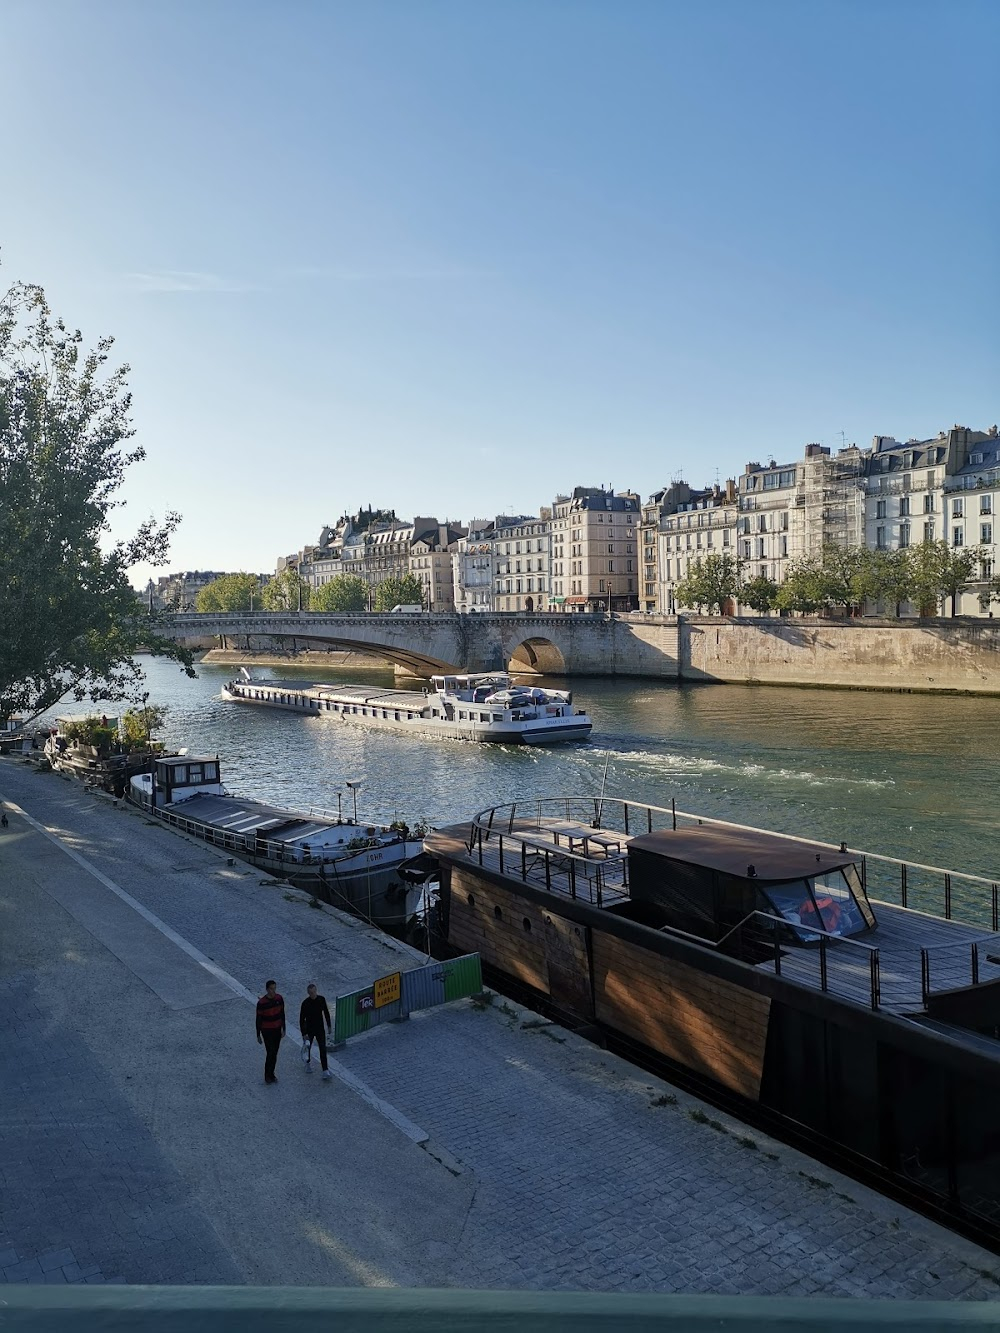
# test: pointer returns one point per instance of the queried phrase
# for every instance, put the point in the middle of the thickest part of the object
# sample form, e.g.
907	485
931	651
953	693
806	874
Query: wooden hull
893	1099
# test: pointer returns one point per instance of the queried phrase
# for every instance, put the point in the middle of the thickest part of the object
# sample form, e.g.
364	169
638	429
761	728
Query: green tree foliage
344	593
286	592
760	593
710	583
69	614
229	592
840	577
888	578
140	724
937	570
90	731
405	591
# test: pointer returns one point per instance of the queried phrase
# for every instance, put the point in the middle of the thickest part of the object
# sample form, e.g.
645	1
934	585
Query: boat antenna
604	783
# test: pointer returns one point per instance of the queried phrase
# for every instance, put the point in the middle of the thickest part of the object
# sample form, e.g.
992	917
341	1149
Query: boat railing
765	932
955	895
956	965
264	848
597	874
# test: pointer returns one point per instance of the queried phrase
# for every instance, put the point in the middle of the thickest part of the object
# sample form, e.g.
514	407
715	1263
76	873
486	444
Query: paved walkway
476	1147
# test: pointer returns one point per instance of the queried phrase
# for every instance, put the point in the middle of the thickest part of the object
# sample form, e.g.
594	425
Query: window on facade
904	534
600	585
746	550
904	506
760	548
986	570
986	504
770	481
880	509
784	546
762	523
611	566
880	538
956	508
725	537
986	533
957	537
928	532
928	504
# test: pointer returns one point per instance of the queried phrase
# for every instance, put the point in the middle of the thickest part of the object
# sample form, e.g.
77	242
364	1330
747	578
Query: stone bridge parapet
557	644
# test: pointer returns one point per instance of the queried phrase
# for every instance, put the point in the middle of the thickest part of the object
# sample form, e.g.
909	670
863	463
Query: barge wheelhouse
762	969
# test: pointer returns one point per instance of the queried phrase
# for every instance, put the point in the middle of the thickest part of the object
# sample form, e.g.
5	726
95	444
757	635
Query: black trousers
319	1037
272	1040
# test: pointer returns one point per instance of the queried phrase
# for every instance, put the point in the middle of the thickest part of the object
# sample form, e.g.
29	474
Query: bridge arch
538	655
415	663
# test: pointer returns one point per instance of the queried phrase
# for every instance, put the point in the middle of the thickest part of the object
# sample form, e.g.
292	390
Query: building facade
595	560
693	524
522	547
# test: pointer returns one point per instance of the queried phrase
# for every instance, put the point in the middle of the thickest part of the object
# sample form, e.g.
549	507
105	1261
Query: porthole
498	913
527	924
472	901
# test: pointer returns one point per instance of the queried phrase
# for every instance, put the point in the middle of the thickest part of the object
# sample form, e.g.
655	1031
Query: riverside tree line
287	591
842	578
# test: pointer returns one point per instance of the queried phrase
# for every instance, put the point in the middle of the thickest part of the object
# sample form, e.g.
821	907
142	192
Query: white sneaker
327	1074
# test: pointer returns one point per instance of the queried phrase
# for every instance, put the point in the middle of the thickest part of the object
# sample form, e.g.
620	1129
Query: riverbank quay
475	1146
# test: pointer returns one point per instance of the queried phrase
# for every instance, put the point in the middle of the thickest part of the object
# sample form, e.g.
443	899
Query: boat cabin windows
824	903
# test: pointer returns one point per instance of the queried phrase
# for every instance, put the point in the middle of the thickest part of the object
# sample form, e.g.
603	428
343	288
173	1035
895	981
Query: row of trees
843	579
344	593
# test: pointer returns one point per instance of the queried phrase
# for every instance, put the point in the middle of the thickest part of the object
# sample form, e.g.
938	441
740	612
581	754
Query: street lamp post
353	788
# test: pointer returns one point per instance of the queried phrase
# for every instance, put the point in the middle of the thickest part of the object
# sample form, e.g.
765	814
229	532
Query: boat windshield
824	902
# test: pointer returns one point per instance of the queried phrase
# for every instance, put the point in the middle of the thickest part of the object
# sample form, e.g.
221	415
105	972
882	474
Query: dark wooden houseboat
769	971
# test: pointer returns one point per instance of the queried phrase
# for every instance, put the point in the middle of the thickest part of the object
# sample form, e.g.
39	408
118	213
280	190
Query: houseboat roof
173	760
744	854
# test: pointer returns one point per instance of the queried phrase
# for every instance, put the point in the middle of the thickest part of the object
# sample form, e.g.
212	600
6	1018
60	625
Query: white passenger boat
486	707
351	865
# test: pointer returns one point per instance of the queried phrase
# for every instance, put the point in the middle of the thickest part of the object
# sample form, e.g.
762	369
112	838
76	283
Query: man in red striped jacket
270	1027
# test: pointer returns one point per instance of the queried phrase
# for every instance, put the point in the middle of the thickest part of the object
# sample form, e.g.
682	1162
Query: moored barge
770	969
350	865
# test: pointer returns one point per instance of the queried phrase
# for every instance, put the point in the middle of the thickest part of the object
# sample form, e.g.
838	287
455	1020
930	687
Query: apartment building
472	568
431	561
941	489
522	548
693	524
595	560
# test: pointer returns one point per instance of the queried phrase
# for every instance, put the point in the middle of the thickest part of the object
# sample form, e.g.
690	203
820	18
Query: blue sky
455	257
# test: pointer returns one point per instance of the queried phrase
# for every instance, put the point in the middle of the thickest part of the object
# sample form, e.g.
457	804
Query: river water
914	776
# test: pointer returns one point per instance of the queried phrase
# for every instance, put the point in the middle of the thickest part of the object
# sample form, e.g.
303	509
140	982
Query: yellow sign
388	990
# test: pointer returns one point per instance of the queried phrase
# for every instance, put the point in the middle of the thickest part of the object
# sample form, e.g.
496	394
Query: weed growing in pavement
289	897
700	1118
315	902
483	1000
664	1099
746	1142
816	1182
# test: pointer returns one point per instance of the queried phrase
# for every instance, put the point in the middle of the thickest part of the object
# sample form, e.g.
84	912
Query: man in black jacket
312	1016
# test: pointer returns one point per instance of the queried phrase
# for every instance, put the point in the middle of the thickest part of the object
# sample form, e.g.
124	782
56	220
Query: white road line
349	1079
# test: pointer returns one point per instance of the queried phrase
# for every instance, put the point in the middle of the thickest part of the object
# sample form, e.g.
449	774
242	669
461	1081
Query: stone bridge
558	645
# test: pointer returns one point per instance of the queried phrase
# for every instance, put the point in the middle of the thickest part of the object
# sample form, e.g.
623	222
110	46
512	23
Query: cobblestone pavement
137	1142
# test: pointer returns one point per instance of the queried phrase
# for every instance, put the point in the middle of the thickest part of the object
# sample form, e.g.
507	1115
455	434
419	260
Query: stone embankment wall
933	655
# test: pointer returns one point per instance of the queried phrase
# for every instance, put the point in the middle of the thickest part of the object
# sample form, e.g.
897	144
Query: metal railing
83	1309
957	965
250	844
